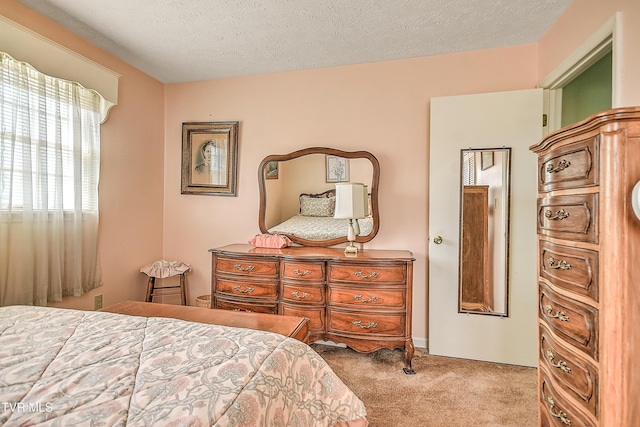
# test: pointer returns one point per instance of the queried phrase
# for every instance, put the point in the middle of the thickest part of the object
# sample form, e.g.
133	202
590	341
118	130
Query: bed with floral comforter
63	367
320	227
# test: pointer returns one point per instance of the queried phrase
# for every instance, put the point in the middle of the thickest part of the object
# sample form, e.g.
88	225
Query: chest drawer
292	270
247	266
246	289
314	314
572	373
555	410
253	307
571	320
574	269
367	273
572	166
306	294
363	297
569	217
364	323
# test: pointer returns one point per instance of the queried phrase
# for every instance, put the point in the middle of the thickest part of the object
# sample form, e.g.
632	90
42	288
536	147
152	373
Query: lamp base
351	237
351	249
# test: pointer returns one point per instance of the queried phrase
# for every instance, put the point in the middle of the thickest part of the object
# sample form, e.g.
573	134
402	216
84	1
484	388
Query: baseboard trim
421	342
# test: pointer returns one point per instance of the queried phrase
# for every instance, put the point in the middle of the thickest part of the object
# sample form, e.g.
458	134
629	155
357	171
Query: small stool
161	270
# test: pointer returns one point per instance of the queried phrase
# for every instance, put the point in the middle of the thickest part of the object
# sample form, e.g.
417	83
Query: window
468	167
49	170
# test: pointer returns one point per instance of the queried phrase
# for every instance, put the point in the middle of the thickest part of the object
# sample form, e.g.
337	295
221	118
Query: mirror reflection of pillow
317	206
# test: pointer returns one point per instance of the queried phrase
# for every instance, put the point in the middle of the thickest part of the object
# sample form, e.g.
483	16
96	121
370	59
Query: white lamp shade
351	200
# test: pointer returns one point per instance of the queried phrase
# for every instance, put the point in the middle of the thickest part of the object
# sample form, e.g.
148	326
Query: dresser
363	301
589	272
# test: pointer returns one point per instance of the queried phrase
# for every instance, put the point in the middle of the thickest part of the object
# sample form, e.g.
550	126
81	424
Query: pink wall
132	150
579	22
380	107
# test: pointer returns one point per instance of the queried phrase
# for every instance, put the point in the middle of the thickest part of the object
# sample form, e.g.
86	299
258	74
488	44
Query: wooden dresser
589	273
362	301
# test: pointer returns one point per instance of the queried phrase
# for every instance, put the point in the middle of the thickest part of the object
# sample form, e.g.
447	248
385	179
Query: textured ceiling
188	40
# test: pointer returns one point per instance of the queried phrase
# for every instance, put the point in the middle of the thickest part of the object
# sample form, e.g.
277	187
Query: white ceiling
189	40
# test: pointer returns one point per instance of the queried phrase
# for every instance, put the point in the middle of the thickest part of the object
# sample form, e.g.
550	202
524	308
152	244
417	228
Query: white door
491	120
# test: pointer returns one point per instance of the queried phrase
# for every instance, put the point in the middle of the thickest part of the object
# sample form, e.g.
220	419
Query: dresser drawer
306	294
252	307
574	374
571	320
556	410
569	217
570	268
364	273
292	270
316	315
572	166
366	323
364	297
247	289
247	266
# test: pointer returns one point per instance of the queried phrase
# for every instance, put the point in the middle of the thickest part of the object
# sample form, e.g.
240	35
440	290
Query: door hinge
544	120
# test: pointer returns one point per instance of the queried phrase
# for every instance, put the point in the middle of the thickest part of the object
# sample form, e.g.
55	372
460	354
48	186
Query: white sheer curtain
49	168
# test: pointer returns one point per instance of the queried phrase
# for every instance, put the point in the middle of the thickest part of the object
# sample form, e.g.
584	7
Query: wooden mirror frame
327	151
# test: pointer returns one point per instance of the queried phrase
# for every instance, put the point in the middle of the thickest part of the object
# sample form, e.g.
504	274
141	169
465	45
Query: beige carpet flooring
444	392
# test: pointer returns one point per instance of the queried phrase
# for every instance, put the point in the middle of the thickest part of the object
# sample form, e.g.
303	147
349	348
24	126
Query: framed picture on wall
486	160
209	158
337	169
272	170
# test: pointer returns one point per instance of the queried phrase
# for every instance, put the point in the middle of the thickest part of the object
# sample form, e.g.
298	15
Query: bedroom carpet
444	392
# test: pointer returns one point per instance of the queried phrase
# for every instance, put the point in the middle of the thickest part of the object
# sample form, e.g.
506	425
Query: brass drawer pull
560	265
559	315
246	311
246	290
299	295
559	216
369	326
371	275
361	299
562	365
560	415
241	268
301	273
561	166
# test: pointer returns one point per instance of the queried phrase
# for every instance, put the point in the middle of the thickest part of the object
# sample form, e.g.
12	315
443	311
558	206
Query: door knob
437	239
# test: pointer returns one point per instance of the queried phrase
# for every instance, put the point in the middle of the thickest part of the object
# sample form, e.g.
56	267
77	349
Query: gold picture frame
271	170
209	158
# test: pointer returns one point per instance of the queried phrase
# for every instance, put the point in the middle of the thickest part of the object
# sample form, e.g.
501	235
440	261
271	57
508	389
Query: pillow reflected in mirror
317	206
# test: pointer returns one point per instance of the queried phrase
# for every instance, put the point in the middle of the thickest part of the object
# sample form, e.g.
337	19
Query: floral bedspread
320	227
64	367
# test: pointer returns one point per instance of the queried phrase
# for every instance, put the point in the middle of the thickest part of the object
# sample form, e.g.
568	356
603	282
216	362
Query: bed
71	367
315	219
320	227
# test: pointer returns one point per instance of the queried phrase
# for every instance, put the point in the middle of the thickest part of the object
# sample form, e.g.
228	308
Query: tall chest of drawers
361	301
589	272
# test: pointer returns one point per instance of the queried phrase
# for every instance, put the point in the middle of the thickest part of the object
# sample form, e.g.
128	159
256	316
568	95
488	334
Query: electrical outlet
97	302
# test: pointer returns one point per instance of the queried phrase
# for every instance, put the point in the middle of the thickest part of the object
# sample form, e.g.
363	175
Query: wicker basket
203	301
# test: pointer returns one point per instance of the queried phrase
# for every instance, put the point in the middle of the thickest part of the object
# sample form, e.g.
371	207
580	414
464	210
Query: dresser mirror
484	231
297	194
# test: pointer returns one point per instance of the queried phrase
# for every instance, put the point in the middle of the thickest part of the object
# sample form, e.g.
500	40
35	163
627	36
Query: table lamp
351	203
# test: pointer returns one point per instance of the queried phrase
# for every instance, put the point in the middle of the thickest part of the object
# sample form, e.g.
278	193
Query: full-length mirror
484	231
297	194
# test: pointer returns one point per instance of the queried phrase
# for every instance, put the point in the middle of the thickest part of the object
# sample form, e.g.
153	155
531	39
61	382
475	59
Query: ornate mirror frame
262	177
